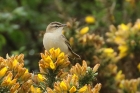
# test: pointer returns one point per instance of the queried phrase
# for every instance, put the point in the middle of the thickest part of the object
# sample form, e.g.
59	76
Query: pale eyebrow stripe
57	23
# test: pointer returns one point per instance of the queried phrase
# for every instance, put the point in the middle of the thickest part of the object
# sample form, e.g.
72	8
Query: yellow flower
51	50
52	53
131	86
48	59
40	77
61	56
119	40
84	30
15	62
123	50
63	85
49	90
79	70
3	71
121	84
60	62
48	62
74	79
124	27
108	50
52	60
97	88
14	88
83	89
119	76
96	67
72	90
52	65
71	40
57	52
8	80
25	76
90	19
35	89
20	71
26	86
138	66
137	24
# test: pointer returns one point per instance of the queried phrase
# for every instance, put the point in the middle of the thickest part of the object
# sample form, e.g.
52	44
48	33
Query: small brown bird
53	38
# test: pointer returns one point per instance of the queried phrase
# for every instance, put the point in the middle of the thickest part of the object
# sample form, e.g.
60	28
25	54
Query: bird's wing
69	47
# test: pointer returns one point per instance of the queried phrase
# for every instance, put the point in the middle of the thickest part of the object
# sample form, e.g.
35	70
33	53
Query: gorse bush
121	55
105	33
54	77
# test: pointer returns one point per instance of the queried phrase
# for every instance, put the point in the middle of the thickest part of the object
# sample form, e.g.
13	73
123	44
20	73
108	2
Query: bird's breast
49	40
52	40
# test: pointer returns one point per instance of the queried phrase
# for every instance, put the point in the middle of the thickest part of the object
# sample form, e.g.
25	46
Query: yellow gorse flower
138	66
79	70
7	81
40	77
54	52
74	79
108	50
123	50
26	85
15	62
57	52
138	25
61	55
130	86
95	68
48	62
72	89
84	30
53	59
63	86
14	75
35	89
97	88
83	89
90	19
119	40
15	78
48	59
26	75
14	88
126	37
119	76
124	27
52	65
3	71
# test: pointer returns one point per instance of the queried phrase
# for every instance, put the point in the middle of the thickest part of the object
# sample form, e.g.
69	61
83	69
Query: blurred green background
23	22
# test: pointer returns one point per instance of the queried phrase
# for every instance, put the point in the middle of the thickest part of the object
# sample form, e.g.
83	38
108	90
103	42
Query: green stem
51	78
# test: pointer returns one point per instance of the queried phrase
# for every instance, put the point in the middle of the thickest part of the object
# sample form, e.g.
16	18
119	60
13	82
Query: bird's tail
75	55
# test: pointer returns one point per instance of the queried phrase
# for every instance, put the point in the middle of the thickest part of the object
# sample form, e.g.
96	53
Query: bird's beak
63	25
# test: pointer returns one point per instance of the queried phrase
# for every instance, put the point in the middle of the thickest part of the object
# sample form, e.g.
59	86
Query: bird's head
55	26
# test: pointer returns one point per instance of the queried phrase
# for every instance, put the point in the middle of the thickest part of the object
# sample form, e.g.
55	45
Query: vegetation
105	33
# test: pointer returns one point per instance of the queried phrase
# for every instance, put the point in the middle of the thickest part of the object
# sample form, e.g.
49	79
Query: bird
54	38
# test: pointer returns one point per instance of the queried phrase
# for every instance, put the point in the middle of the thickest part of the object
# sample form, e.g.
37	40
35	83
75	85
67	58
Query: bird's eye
57	26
